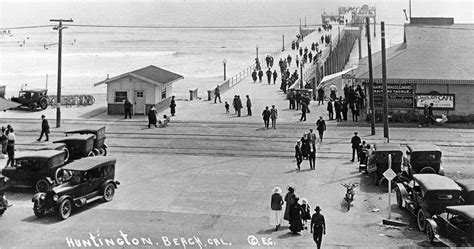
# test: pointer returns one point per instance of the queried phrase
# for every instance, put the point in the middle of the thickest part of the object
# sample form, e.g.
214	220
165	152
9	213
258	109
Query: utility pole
224	62
384	82
60	43
360	42
409	11
283	43
371	79
301	75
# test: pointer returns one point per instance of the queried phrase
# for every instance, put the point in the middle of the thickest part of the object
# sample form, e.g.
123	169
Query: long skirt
275	217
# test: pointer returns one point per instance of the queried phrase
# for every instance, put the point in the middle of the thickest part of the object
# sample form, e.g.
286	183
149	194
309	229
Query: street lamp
224	62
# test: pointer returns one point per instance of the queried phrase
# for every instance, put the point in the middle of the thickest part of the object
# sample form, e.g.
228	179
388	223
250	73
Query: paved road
213	180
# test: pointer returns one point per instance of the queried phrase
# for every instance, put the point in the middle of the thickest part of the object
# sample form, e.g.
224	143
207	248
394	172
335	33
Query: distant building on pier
143	88
434	65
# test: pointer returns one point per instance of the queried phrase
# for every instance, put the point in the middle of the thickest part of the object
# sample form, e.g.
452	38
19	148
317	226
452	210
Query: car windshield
72	176
425	156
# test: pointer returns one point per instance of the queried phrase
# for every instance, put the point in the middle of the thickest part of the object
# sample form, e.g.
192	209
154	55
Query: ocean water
194	48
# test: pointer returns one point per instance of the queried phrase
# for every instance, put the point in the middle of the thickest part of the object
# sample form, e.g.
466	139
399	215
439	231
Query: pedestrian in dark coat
304	108
289	199
249	106
173	106
275	76
345	109
269	75
298	154
260	75
320	96
312	156
355	141
217	94
301	51
127	106
254	76
296	224
330	110
288	59
152	117
291	98
338	109
321	127
238	105
305	145
318	226
274	116
44	128
11	138
266	117
276	208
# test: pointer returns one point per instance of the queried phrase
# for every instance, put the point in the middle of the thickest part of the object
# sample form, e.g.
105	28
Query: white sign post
389	174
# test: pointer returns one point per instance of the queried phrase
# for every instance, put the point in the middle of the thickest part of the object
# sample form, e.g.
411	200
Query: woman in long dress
276	208
289	199
152	116
296	224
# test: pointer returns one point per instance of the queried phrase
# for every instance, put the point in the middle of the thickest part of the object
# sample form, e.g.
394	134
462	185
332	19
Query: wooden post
360	42
384	81
371	79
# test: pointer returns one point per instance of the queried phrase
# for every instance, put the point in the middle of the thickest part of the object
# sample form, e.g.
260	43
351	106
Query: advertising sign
440	101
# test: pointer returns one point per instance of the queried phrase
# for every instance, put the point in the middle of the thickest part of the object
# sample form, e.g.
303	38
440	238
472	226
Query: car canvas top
75	137
88	129
423	147
432	182
88	163
43	154
34	90
388	147
465	211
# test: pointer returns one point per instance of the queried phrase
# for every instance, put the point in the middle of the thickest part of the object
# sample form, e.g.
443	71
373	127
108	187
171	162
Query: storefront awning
334	78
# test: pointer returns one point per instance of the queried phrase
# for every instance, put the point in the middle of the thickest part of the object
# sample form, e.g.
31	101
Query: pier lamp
256	48
224	62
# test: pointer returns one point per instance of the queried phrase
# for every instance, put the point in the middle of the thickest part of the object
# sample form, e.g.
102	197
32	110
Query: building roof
436	54
150	74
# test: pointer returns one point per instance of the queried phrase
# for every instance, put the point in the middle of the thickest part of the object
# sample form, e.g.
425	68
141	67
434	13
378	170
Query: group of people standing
353	100
305	147
270	114
296	214
237	104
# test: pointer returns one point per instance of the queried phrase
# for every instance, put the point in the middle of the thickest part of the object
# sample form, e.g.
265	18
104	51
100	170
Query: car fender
435	227
37	197
62	198
50	181
115	183
403	192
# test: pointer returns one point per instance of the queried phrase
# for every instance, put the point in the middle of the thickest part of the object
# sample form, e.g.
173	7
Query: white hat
277	190
304	200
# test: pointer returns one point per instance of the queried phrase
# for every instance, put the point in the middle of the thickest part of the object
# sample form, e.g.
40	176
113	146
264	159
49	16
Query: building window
163	92
120	97
139	94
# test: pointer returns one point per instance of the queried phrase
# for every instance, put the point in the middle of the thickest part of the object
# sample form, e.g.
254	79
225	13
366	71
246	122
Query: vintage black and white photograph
236	123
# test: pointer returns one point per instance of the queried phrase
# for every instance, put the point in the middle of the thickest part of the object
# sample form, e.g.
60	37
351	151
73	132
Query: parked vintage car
467	192
85	181
377	161
33	99
427	195
454	227
100	148
79	146
46	146
423	158
40	169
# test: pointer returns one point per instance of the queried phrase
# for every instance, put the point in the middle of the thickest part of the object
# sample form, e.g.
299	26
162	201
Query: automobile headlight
55	197
42	197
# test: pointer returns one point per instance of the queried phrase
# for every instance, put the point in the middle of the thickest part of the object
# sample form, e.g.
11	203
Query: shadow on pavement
288	235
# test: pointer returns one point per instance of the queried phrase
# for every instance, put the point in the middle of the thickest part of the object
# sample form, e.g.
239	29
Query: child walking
306	213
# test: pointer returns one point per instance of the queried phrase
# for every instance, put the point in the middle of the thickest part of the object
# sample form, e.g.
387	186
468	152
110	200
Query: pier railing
231	82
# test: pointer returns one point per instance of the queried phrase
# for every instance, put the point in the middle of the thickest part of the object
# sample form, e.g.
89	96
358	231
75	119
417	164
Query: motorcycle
349	196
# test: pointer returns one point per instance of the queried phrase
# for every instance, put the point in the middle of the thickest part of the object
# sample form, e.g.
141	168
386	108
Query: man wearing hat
318	226
355	141
298	154
44	129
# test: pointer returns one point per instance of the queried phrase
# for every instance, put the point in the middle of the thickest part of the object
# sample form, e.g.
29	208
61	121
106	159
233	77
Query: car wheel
420	218
65	208
42	186
109	192
32	106
38	212
430	233
43	103
103	151
66	156
427	170
96	152
90	154
399	198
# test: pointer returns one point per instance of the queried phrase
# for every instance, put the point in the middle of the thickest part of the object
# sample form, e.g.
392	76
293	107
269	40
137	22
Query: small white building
143	88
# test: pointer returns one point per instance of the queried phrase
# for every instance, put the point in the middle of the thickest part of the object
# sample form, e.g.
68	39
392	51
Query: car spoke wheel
65	209
32	106
399	198
430	233
42	186
109	192
38	212
66	156
90	154
103	151
420	218
43	103
96	152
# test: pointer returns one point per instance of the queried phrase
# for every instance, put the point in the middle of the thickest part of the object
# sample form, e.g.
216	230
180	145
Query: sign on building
440	101
400	96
